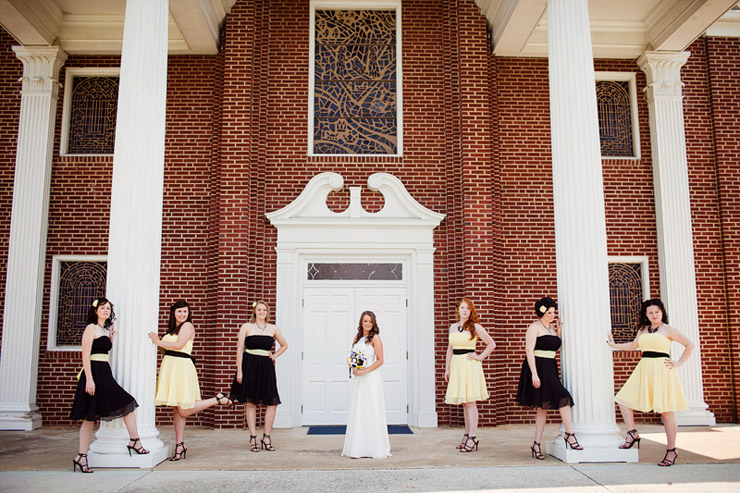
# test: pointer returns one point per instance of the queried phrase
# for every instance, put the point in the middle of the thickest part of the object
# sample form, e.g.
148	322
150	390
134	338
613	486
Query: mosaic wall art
355	97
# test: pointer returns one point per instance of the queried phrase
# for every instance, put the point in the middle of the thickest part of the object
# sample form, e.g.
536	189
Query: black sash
178	354
653	354
462	351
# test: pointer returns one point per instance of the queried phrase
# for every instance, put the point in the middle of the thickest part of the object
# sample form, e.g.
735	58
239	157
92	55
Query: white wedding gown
367	427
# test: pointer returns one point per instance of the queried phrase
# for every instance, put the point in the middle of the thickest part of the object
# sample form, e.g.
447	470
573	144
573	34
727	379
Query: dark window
79	284
625	290
355	272
355	82
92	125
615	119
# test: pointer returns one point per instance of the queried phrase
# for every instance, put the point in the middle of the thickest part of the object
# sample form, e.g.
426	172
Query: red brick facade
476	148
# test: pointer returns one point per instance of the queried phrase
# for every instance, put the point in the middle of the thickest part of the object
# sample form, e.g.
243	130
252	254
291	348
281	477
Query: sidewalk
709	460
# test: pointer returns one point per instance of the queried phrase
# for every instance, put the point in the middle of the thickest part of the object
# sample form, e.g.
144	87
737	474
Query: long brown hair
472	319
253	318
373	331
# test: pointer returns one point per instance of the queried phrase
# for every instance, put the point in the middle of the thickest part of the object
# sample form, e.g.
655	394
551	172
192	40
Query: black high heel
84	468
140	450
537	452
462	444
629	443
253	443
470	448
573	446
267	445
220	396
180	452
666	462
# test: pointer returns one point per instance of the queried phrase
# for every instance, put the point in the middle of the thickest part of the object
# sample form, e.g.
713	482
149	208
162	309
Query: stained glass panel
79	284
625	290
354	272
355	97
615	118
92	126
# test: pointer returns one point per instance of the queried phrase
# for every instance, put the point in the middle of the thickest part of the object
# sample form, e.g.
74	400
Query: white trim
56	260
401	231
644	270
630	77
356	5
72	72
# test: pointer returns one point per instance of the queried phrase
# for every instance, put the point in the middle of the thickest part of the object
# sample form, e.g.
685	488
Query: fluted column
673	218
580	236
134	241
27	244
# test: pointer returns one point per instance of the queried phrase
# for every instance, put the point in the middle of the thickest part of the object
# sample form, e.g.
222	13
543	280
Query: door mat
342	429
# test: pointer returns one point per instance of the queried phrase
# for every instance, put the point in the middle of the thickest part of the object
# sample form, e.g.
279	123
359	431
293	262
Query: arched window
92	125
626	294
79	283
615	118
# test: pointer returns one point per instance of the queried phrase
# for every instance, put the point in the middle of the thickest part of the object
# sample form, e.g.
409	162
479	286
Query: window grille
79	284
355	92
625	290
92	127
354	272
615	118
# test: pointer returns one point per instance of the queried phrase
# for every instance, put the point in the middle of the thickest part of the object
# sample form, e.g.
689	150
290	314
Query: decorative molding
663	73
40	68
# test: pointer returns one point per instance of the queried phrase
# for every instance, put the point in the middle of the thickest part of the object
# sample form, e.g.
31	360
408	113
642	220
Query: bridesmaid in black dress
539	383
255	381
98	395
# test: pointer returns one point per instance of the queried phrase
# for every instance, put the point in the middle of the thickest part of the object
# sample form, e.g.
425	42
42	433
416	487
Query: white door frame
402	229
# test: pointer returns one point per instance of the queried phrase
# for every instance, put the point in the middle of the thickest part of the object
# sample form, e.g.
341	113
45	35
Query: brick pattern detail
476	148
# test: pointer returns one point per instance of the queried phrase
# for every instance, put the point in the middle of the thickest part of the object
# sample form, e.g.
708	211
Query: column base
594	450
695	417
427	420
285	420
123	460
20	421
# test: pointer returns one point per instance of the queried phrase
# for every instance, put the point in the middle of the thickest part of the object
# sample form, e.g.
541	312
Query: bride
367	428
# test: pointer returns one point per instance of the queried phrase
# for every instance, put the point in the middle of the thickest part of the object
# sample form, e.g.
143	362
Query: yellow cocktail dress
178	380
467	382
653	386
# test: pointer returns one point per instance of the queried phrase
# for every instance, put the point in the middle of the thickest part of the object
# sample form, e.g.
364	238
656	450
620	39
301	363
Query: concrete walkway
709	460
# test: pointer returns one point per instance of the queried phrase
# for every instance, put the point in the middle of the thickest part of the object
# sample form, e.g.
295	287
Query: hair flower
254	304
95	303
543	309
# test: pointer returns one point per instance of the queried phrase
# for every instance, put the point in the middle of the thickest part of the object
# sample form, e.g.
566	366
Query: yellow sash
542	353
258	352
94	357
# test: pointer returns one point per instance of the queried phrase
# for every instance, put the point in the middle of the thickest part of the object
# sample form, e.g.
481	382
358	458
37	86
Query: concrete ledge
557	449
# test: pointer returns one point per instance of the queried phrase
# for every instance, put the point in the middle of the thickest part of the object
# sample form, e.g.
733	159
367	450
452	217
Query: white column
134	241
423	371
27	244
580	237
673	218
288	366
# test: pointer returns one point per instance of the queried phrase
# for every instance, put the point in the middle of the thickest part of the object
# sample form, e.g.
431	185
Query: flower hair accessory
543	309
254	304
95	303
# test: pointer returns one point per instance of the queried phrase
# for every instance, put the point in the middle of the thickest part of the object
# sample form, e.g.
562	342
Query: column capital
40	67
663	72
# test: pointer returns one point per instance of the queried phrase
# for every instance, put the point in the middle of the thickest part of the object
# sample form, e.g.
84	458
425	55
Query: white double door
330	319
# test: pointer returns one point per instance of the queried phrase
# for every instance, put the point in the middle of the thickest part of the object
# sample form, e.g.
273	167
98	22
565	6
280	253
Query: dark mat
342	429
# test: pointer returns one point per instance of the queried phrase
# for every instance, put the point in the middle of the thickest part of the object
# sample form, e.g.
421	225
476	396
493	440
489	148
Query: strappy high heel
666	462
253	443
635	438
221	396
84	468
573	446
180	451
462	444
468	447
267	445
139	450
537	451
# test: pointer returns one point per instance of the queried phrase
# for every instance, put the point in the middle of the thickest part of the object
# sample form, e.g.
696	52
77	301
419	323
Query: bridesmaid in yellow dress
653	385
466	383
178	382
